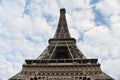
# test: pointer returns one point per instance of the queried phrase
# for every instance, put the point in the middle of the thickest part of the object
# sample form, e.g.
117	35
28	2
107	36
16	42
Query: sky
26	26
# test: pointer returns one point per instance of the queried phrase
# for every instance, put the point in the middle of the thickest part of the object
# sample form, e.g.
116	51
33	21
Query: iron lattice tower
61	60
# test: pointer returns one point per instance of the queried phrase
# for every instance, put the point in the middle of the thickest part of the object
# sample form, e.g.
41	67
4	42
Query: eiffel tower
61	60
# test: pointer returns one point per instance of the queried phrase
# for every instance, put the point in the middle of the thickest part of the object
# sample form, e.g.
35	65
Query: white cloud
82	19
74	33
99	35
5	71
109	7
115	30
114	18
113	65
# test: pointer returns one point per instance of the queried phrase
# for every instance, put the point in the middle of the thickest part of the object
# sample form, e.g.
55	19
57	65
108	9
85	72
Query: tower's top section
62	31
62	11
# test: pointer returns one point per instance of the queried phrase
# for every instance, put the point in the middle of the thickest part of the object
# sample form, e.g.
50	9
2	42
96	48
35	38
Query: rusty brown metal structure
61	60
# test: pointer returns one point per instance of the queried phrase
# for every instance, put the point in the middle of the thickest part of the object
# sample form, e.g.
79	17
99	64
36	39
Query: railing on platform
62	61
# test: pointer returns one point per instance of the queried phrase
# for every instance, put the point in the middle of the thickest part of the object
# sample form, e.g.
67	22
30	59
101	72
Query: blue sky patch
81	37
27	7
29	38
48	17
94	1
99	17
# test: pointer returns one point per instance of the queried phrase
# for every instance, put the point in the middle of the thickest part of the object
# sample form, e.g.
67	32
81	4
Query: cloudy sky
26	26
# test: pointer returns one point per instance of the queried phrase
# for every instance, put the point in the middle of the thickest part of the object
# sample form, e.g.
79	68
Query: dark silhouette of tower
61	60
